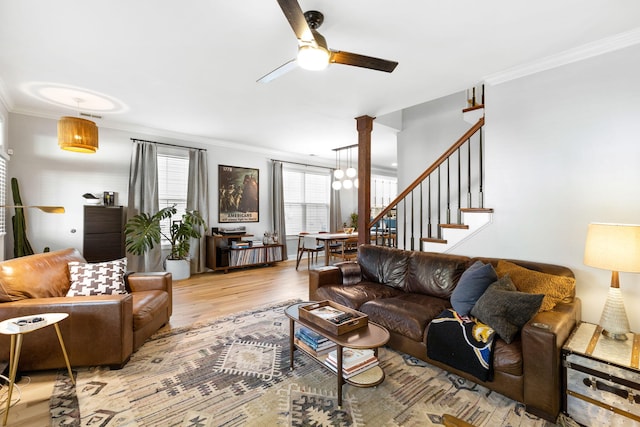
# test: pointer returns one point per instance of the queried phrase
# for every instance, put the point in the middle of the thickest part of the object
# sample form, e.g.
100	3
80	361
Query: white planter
180	269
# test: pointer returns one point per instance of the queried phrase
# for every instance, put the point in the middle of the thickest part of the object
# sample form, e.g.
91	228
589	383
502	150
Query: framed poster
238	190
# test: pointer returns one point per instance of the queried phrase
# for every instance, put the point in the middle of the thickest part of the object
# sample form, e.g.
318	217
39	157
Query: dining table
327	239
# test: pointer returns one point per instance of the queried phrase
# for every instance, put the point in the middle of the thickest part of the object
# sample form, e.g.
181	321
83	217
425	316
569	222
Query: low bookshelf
221	255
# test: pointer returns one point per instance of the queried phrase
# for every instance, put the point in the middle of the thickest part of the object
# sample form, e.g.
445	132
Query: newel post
365	127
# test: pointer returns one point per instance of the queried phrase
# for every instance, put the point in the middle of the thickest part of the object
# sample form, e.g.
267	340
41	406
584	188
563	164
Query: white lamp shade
336	185
351	172
338	174
614	247
347	183
313	58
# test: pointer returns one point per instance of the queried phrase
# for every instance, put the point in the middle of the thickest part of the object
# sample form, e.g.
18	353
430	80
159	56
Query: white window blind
173	172
306	201
3	191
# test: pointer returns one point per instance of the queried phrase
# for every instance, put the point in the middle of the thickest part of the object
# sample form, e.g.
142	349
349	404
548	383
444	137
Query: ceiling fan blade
295	16
283	69
348	58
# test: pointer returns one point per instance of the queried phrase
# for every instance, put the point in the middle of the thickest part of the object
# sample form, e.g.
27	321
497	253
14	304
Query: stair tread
487	210
457	226
432	240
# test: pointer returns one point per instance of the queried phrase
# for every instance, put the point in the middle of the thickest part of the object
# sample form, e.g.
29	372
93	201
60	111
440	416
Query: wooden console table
222	256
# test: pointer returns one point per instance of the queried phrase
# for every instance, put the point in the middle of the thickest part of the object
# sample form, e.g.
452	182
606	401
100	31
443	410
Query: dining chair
348	249
308	244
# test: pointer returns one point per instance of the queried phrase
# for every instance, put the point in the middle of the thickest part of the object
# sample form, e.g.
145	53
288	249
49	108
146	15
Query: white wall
50	176
562	150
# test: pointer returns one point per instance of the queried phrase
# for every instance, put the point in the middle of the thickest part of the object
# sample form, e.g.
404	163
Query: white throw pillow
103	278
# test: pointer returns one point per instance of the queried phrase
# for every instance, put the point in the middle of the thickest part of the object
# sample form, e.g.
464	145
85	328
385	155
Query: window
173	173
383	190
3	190
306	200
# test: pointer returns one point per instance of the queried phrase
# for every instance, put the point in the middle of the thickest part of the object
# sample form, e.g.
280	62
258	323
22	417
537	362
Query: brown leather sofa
405	290
100	329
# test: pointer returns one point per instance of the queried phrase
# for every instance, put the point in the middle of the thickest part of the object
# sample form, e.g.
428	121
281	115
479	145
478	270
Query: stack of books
354	361
312	342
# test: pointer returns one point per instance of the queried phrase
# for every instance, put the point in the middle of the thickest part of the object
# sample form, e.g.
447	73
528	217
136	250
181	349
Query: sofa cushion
505	309
42	275
507	358
147	305
102	278
354	296
472	284
555	288
384	265
351	272
405	314
434	274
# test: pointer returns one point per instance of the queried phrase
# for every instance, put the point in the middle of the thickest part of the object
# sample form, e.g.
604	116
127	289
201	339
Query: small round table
17	327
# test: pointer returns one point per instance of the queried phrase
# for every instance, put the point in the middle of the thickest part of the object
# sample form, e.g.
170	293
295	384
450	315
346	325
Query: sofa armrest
161	281
329	275
542	340
98	331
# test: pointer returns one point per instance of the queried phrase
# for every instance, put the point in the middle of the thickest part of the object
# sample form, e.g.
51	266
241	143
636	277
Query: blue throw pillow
472	284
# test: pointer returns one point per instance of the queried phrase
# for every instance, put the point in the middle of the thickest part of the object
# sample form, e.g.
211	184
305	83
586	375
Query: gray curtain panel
198	199
335	210
277	205
143	197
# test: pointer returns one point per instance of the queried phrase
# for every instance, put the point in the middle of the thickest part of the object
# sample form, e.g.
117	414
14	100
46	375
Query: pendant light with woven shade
76	134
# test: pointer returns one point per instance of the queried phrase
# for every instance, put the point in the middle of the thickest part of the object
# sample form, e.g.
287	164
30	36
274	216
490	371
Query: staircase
445	205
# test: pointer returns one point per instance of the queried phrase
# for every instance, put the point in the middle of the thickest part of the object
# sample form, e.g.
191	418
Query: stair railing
425	212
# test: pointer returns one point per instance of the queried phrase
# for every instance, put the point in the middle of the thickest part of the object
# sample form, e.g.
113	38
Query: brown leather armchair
100	329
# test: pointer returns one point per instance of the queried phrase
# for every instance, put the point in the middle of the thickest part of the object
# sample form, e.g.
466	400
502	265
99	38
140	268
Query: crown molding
589	50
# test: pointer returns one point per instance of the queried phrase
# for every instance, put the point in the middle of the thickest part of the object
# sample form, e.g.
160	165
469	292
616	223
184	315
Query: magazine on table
332	314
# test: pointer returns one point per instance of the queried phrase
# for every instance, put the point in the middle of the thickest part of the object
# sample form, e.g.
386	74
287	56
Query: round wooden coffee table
370	336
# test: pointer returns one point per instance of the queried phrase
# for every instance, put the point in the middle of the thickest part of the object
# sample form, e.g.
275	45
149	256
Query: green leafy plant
354	220
143	232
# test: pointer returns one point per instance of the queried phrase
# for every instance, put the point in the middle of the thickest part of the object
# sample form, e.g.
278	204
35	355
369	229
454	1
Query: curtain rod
301	164
167	144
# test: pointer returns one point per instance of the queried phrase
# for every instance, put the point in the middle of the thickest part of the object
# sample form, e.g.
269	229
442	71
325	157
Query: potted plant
143	232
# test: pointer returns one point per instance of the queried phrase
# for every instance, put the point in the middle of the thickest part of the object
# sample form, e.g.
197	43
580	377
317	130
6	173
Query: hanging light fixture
344	179
76	134
351	171
338	173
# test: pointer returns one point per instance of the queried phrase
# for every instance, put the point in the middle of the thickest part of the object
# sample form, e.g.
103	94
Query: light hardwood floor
201	298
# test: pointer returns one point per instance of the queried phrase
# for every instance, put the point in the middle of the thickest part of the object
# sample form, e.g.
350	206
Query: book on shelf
315	341
310	350
355	370
351	356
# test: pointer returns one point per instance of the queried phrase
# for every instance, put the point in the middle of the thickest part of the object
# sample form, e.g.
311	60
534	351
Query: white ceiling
190	67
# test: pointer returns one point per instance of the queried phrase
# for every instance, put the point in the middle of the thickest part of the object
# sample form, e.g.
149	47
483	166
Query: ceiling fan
313	53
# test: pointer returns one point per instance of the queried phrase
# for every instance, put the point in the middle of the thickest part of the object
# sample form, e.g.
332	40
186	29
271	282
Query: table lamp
614	247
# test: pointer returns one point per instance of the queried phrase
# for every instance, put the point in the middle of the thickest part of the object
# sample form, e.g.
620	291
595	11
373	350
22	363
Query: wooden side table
602	377
17	327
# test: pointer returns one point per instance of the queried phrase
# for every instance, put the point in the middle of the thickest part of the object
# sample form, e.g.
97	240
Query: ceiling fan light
336	185
313	58
351	172
338	174
76	134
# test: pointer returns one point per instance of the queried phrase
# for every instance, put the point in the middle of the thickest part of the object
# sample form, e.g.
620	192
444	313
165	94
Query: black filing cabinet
103	233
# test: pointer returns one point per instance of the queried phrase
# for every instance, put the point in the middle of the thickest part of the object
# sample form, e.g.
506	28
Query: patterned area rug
235	372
